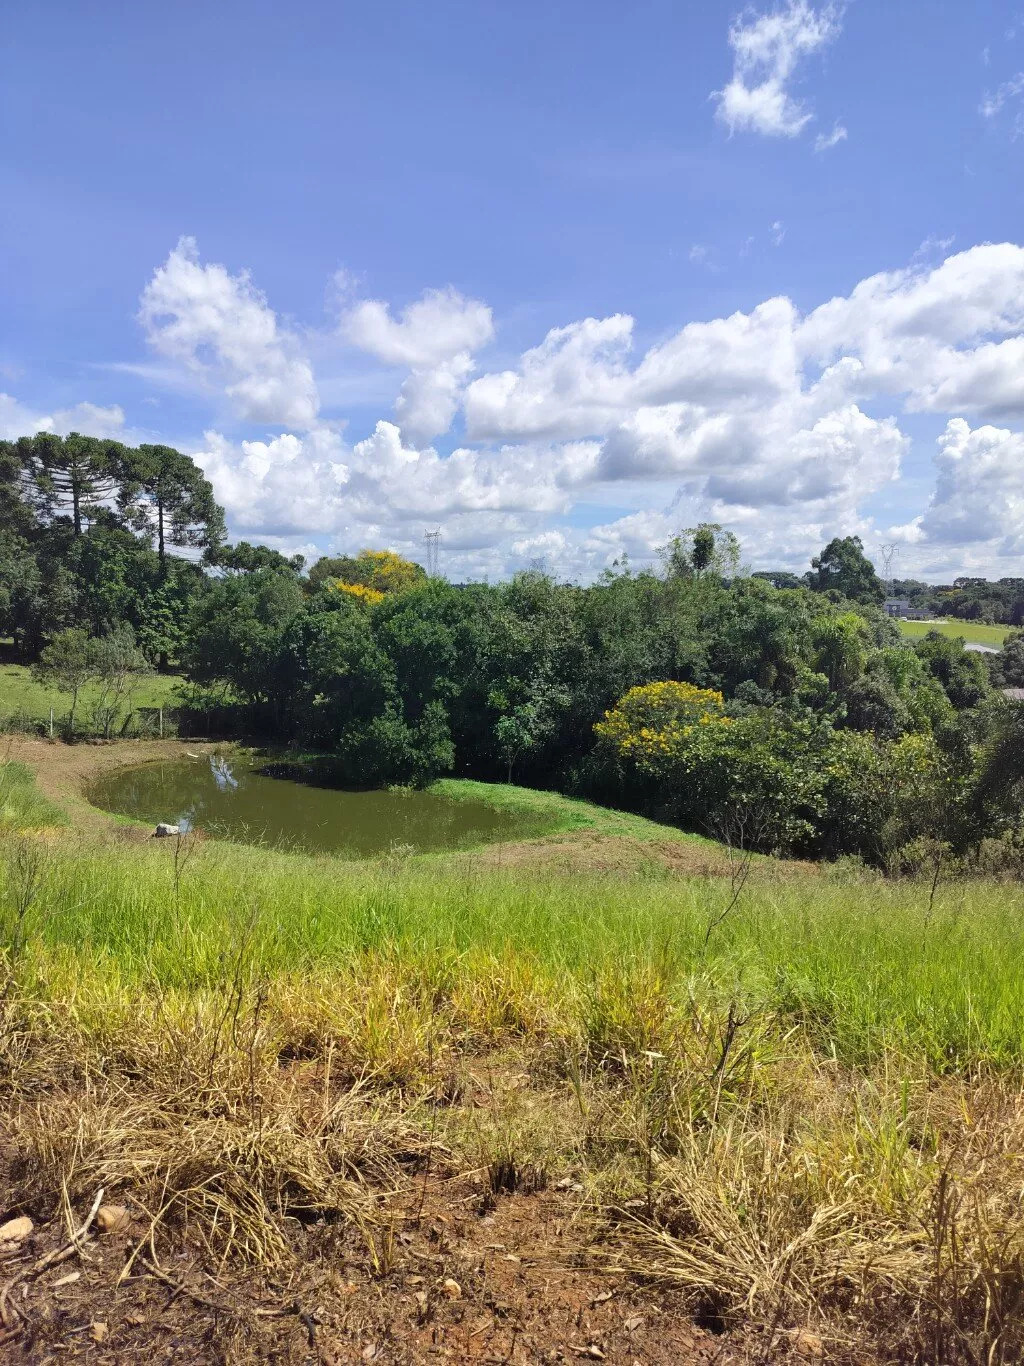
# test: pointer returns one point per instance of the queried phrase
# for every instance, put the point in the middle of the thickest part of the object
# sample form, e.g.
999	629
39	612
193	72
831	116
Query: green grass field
794	1099
24	702
974	632
861	968
22	805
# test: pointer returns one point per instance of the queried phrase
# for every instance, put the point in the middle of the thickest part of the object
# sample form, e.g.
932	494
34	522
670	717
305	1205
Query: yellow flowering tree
690	762
802	785
359	591
368	577
662	726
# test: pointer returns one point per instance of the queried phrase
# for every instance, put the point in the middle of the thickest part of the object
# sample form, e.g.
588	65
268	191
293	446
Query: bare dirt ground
446	1274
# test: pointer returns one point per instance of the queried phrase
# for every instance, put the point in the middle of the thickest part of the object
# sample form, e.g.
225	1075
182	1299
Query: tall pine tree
167	494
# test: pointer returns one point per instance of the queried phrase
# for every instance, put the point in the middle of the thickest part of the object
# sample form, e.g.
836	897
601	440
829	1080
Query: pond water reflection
235	797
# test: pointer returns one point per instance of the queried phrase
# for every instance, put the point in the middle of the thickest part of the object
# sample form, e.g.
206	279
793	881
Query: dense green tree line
842	736
842	566
836	734
999	601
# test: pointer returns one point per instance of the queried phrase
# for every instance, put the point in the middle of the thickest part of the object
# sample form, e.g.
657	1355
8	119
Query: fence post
161	723
51	723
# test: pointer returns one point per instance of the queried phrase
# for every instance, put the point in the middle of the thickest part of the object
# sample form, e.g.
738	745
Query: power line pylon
432	541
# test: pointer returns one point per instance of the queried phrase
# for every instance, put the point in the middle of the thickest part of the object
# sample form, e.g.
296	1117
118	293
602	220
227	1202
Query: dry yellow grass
768	1185
808	1120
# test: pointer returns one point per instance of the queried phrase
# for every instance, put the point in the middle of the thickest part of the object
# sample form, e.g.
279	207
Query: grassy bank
974	632
22	805
564	815
792	1106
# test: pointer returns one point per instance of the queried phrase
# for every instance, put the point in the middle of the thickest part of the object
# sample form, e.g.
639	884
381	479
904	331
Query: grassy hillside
973	631
789	1106
564	814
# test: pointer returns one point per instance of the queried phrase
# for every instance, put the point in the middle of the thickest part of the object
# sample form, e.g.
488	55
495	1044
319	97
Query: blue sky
555	278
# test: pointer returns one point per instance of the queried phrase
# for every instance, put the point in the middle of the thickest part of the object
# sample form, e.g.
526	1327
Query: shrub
701	766
660	726
803	786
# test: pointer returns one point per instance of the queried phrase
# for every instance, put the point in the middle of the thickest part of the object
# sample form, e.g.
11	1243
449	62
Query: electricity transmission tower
889	553
432	541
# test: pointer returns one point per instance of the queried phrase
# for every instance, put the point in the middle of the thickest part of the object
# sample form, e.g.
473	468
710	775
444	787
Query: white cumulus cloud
777	423
572	384
382	487
220	328
979	492
435	337
433	329
767	49
16	419
947	337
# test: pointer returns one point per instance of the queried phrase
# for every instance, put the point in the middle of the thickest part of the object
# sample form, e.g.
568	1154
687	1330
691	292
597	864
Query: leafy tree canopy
843	568
66	476
243	558
700	550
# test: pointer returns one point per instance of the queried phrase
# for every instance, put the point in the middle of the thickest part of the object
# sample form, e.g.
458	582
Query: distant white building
902	607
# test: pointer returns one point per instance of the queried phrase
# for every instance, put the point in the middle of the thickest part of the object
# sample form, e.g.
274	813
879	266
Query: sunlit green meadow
974	632
860	965
25	703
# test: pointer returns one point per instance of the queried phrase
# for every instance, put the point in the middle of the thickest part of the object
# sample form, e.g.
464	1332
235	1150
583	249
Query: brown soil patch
586	851
446	1274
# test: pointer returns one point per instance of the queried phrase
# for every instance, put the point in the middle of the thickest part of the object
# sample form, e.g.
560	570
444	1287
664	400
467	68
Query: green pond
251	801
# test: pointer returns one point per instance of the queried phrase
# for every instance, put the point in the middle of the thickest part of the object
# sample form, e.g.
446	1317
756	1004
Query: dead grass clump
875	1215
193	1120
230	1180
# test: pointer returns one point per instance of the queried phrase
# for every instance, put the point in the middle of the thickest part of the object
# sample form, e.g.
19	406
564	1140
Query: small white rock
16	1230
110	1218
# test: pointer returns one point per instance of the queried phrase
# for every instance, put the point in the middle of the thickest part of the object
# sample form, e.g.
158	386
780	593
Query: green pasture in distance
974	632
21	696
